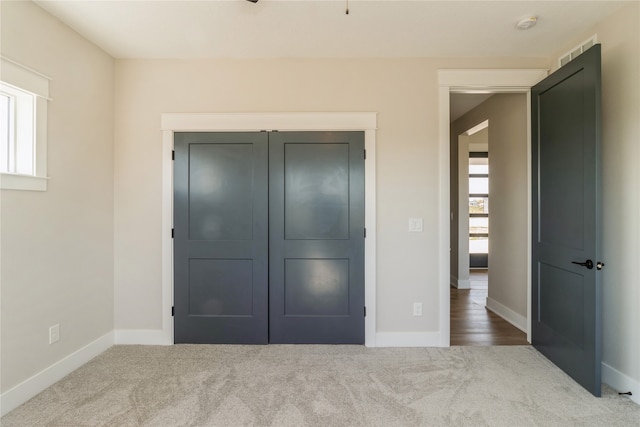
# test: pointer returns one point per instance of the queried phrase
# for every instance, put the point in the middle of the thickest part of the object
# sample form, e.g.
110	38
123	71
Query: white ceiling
320	28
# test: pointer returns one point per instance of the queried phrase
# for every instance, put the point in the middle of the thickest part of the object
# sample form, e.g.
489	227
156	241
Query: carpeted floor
203	385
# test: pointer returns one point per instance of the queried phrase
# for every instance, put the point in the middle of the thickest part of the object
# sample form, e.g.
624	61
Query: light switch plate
417	309
415	225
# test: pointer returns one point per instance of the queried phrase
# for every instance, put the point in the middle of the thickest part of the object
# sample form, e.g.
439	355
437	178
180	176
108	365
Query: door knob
588	263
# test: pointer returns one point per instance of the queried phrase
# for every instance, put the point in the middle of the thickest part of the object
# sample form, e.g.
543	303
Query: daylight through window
24	94
18	122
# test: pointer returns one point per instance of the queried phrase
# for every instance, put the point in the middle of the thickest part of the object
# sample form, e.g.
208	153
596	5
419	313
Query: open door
566	282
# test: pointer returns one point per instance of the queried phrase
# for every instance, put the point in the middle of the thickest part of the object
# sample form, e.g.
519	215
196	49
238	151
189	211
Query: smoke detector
526	23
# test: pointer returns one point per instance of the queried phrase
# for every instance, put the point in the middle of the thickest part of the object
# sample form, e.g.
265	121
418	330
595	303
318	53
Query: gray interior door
316	210
268	237
566	324
221	238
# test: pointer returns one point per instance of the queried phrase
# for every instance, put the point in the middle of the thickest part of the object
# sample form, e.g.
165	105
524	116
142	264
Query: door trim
243	122
468	81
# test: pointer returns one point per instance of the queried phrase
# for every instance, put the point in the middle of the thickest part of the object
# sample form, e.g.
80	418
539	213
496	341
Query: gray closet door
567	292
221	238
316	208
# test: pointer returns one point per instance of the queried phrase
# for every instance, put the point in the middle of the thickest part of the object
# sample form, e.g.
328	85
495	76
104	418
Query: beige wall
57	246
508	227
403	91
620	39
57	251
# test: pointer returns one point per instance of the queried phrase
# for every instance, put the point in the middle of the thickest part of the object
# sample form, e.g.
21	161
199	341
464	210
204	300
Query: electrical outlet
54	333
417	309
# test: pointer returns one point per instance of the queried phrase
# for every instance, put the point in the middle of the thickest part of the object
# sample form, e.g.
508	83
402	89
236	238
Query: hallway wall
508	197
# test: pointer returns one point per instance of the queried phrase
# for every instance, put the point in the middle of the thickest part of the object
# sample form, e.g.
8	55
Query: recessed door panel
561	294
562	195
220	287
220	191
316	191
316	287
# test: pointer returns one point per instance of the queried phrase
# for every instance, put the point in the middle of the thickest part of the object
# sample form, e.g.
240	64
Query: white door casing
243	122
473	81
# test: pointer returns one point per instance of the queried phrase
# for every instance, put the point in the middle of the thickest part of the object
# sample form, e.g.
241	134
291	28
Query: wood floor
473	324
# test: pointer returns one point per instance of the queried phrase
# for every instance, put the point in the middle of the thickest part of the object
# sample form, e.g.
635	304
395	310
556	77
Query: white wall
620	39
57	246
508	192
403	91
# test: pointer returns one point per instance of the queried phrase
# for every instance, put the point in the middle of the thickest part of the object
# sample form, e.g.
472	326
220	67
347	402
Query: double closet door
269	237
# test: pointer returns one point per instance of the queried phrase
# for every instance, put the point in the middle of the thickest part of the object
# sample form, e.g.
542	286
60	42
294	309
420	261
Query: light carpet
302	385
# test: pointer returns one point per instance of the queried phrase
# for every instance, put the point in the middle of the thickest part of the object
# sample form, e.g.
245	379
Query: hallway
473	324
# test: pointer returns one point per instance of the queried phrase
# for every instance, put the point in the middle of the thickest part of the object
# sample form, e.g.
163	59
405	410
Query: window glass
479	169
478	185
18	123
478	245
478	205
479	165
479	225
6	130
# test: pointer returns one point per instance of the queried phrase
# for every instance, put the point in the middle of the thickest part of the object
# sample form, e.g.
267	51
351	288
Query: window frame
35	84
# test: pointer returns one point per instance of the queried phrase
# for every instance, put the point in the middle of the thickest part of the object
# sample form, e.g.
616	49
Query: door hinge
365	232
365	154
172	232
365	312
173	154
173	311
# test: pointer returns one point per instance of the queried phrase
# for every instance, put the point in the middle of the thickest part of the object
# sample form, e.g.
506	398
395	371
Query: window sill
10	181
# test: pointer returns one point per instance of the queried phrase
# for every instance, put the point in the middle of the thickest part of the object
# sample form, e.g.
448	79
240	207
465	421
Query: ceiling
320	28
201	29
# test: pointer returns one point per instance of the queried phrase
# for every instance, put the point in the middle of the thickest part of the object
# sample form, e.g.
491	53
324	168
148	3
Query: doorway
489	279
269	237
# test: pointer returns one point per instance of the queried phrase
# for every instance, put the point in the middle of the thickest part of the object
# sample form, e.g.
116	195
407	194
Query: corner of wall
19	394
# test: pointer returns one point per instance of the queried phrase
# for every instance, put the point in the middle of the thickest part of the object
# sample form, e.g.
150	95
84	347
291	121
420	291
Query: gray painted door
221	238
566	125
316	241
269	223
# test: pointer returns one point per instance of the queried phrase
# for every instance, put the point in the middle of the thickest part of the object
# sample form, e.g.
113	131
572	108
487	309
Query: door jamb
247	122
470	81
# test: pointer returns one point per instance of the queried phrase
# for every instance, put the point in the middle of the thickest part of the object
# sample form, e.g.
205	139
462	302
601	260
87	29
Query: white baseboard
459	284
621	382
16	396
462	284
408	339
507	314
142	337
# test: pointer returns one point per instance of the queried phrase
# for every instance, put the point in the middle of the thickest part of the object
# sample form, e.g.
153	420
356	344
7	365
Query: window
23	128
17	128
478	209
